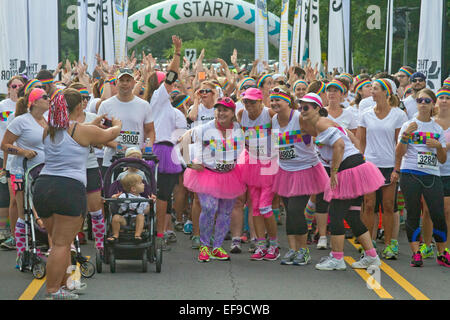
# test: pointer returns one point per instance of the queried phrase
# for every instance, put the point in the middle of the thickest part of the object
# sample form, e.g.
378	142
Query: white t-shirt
91	105
445	168
11	157
411	107
380	136
347	119
239	106
366	103
7	108
204	116
134	115
418	156
327	138
167	118
30	135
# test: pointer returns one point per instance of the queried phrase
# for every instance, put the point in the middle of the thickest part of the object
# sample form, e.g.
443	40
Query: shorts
446	184
59	195
165	185
94	180
386	172
4	194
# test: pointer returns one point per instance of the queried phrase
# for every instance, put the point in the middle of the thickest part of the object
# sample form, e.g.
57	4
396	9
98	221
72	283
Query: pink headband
35	95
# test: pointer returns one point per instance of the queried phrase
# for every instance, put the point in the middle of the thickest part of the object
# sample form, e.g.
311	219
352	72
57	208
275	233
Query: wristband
335	169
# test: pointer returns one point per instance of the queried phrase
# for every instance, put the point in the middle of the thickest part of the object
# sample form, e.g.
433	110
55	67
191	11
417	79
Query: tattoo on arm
13	150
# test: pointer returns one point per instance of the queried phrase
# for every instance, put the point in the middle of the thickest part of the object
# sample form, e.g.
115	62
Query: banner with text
336	41
315	53
296	32
108	32
303	26
284	39
120	12
389	35
261	36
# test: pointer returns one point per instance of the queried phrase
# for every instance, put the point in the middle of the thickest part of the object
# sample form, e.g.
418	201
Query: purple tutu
355	182
219	185
168	160
255	172
303	182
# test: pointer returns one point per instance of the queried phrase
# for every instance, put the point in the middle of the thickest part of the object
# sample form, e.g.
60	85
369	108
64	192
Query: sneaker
178	226
9	244
195	242
380	234
444	259
322	243
236	246
329	263
4	235
61	294
252	247
366	262
416	260
303	257
80	287
163	243
394	246
187	229
204	254
219	254
259	254
273	253
388	253
170	237
426	251
289	257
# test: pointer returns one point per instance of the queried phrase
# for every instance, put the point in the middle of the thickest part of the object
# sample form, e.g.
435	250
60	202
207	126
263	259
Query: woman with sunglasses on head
258	167
443	119
23	139
213	175
350	178
419	153
378	131
300	172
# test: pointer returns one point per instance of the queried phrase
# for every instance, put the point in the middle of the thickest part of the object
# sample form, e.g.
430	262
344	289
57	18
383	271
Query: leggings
430	186
210	206
350	211
295	217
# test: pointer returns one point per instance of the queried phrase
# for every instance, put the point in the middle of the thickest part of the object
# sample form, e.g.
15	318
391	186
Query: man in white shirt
418	82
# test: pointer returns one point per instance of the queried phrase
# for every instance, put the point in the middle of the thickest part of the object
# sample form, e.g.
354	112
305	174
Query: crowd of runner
337	153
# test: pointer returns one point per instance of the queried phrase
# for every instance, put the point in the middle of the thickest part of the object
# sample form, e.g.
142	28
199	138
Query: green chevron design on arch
169	13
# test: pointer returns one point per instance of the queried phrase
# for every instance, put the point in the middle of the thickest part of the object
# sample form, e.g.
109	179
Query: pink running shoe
219	254
204	254
273	253
259	254
416	260
444	259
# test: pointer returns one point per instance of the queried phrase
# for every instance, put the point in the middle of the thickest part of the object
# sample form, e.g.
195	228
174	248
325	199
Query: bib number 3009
427	160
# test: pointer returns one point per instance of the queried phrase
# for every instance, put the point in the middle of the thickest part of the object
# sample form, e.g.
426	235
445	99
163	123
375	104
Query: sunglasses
248	101
424	100
39	87
205	91
86	98
45	97
306	107
278	90
417	80
14	86
226	100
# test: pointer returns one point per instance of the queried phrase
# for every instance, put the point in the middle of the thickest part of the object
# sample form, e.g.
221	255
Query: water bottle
148	148
119	148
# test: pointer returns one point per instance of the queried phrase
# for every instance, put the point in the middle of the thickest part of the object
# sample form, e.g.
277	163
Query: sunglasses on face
45	97
248	101
417	80
306	107
14	86
86	98
205	91
423	100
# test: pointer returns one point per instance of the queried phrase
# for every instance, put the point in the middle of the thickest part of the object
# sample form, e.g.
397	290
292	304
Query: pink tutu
219	185
255	172
303	182
355	182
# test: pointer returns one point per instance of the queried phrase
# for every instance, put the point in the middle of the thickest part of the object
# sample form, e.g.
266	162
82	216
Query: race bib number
427	160
224	166
258	150
287	153
129	137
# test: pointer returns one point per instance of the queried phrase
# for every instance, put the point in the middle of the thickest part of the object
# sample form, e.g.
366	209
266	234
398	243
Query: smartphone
107	123
201	76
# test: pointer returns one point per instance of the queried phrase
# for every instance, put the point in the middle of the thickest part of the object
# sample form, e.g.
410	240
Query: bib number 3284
427	160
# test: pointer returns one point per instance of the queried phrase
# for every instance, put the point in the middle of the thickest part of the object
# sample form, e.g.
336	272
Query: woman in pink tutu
257	166
214	177
351	178
300	172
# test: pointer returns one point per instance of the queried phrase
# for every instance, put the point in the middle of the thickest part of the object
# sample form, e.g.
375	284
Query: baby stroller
125	248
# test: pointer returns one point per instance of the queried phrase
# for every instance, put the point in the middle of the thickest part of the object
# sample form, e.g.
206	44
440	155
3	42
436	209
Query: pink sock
98	227
337	255
371	253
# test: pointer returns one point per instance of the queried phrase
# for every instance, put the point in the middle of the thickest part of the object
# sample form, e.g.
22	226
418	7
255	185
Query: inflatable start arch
170	13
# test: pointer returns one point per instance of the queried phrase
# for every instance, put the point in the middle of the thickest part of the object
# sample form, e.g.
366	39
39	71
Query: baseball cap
252	94
313	98
125	71
418	75
226	102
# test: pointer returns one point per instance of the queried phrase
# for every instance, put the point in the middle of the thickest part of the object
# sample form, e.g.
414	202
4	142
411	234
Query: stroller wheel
151	252
39	270
144	261
112	262
98	261
87	269
158	258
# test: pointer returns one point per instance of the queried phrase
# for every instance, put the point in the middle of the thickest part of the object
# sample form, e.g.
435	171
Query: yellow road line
408	287
376	287
32	289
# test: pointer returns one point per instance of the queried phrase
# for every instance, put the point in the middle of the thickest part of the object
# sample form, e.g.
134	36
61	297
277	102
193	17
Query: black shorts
446	184
4	191
386	172
165	184
59	195
94	180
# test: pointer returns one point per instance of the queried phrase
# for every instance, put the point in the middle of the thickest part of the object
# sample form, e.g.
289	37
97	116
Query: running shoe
303	257
273	253
219	254
236	245
366	262
4	235
163	243
170	237
252	247
380	234
426	251
444	259
329	263
187	229
9	244
178	226
289	257
195	242
416	260
322	243
81	286
388	253
259	254
61	294
394	246
204	254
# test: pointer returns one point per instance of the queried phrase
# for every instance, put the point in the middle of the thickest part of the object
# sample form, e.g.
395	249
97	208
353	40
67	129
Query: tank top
445	168
92	158
296	151
258	134
65	157
326	139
